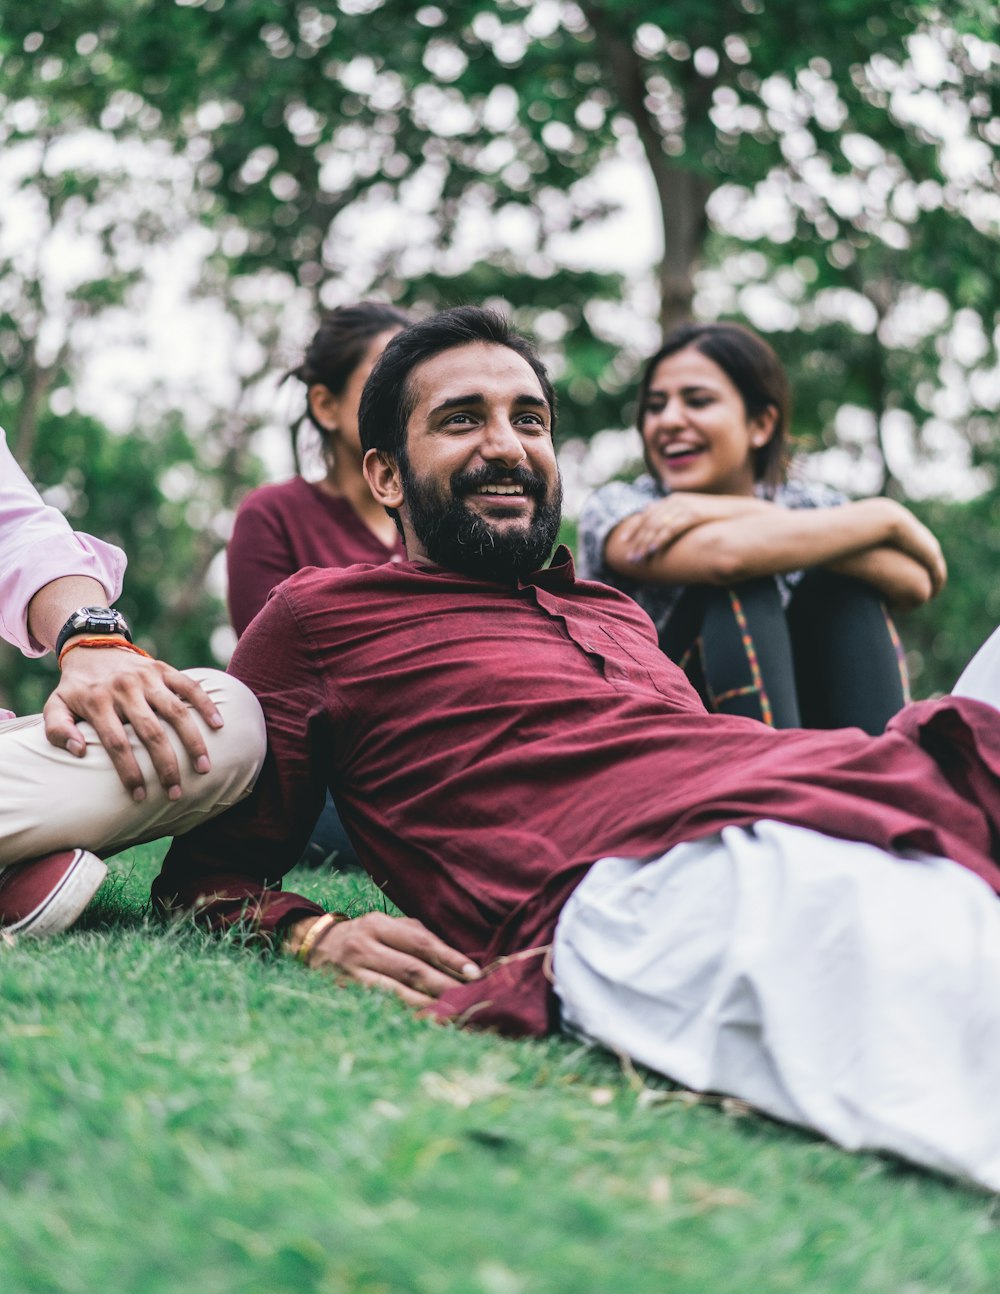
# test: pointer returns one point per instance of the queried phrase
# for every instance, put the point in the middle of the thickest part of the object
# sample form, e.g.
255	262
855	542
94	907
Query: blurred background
186	184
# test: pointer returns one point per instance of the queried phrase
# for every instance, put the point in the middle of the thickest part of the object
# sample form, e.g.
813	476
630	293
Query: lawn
180	1113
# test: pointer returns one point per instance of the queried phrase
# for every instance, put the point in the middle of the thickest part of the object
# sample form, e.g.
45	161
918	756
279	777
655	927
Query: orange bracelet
102	642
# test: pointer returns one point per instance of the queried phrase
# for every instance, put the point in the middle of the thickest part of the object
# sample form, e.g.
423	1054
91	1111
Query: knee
236	749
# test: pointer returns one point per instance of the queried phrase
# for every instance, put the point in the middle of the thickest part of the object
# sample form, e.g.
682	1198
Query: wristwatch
93	620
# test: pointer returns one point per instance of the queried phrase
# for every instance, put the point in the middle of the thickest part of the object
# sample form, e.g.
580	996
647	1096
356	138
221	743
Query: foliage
825	171
229	1123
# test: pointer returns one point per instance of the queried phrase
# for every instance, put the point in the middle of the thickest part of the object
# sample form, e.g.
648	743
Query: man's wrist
82	640
303	936
101	621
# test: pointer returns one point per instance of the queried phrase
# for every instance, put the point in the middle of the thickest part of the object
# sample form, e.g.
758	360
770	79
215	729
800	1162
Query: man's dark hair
388	399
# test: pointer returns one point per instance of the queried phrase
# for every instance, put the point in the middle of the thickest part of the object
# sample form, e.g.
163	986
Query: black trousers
831	659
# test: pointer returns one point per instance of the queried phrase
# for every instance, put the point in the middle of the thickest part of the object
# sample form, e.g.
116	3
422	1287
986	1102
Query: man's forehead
485	368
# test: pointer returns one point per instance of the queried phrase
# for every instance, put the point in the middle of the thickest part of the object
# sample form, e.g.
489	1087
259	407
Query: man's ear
324	406
382	474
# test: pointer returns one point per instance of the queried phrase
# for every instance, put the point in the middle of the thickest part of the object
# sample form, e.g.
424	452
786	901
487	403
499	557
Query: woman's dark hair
388	399
338	347
753	368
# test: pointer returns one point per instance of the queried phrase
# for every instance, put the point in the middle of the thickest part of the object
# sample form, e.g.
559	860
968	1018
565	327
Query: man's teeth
501	489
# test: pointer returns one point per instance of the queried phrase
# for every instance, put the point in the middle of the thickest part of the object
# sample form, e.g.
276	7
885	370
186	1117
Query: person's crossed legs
58	812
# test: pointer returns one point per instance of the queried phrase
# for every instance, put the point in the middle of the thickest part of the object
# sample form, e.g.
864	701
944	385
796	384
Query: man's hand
110	688
394	953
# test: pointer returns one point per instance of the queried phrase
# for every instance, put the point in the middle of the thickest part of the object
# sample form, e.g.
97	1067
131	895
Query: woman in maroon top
333	522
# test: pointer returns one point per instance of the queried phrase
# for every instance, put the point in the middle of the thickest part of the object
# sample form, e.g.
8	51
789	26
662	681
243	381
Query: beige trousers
52	800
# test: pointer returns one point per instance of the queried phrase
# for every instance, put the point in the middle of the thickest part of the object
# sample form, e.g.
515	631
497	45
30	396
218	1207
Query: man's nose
501	444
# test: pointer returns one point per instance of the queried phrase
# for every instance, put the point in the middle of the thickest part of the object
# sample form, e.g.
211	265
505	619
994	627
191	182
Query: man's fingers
113	737
394	952
412	937
193	694
371	979
150	733
172	710
409	973
60	727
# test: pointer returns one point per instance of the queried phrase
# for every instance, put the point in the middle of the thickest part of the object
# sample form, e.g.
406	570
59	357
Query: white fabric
825	982
52	800
37	546
981	677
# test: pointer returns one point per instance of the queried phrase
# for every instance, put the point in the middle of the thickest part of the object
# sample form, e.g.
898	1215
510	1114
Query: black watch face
99	615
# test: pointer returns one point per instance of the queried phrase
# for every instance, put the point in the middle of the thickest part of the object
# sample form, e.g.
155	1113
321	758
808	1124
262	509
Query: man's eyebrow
477	397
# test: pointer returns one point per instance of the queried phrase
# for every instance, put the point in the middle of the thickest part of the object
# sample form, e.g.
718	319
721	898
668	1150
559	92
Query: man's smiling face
481	488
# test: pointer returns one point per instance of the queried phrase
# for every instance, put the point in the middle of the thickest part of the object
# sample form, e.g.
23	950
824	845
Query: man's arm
48	571
228	871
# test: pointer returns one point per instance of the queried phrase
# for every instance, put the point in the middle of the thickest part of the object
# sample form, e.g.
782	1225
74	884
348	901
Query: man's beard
457	537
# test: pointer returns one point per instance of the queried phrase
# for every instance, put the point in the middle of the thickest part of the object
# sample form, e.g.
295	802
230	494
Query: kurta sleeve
37	546
258	558
228	871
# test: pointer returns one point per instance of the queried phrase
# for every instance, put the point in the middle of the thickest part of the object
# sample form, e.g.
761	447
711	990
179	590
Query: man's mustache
533	485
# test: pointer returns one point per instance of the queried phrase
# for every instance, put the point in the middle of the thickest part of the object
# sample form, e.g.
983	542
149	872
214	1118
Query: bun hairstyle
753	368
335	351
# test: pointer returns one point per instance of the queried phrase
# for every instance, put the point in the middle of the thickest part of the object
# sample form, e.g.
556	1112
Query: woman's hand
661	523
913	538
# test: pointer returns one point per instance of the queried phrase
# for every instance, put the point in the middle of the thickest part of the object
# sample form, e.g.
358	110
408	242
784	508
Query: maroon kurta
281	529
486	744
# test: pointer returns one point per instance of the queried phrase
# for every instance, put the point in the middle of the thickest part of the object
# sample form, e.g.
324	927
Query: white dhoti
824	982
828	983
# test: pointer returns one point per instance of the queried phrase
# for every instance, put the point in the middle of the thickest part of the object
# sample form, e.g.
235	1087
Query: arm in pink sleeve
37	546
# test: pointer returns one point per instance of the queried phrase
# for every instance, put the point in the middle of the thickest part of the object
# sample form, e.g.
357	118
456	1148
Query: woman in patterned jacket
773	595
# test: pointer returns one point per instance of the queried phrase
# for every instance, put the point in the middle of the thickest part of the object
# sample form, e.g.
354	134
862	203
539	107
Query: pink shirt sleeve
37	545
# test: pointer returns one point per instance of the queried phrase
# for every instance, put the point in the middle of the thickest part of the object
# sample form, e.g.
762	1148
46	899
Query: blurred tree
826	171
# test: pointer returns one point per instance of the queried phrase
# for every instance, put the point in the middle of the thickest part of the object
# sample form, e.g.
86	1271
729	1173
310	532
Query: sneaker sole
67	901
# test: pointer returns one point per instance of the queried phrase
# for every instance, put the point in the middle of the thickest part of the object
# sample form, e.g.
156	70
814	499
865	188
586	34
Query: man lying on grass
805	920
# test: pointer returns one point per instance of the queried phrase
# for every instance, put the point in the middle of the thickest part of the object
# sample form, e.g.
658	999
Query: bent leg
849	664
825	982
52	801
743	652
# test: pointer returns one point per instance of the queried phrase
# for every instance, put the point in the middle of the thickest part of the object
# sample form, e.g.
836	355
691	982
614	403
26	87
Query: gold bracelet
316	932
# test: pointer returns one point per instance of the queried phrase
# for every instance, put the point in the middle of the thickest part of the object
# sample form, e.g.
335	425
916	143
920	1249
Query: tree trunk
682	192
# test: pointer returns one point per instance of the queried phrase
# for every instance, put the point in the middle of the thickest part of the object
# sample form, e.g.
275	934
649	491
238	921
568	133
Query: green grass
179	1113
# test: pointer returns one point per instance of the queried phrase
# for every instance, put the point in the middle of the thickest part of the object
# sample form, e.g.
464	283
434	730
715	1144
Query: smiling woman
771	594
